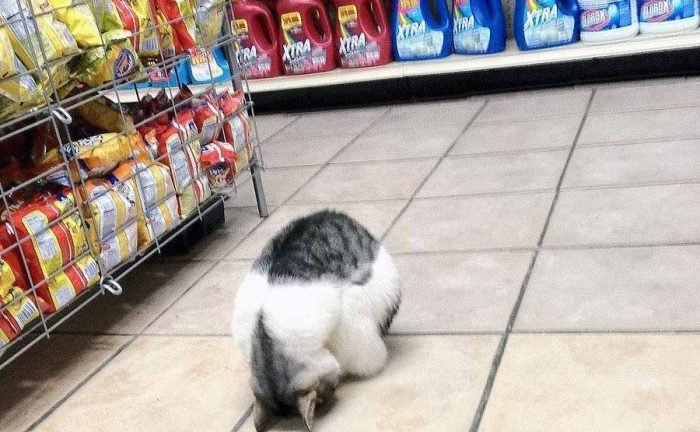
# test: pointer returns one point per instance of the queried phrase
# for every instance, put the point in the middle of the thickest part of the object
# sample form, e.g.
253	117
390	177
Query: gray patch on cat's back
326	244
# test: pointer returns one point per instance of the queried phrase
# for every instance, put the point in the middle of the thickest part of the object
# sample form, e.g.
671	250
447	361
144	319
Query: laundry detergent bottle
421	29
545	23
362	33
258	51
479	26
608	20
306	37
668	16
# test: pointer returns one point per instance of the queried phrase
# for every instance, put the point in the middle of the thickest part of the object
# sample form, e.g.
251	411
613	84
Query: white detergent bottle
668	16
608	20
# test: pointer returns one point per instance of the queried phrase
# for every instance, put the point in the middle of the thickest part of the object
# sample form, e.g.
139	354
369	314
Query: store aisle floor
548	244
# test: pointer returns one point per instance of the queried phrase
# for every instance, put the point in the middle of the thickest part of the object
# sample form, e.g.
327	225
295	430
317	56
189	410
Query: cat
312	309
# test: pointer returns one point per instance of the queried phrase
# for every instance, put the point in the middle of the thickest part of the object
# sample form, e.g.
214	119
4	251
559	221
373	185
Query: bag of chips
51	244
17	309
107	209
120	247
79	20
210	17
7	56
219	159
115	61
44	38
59	290
208	119
20	92
183	28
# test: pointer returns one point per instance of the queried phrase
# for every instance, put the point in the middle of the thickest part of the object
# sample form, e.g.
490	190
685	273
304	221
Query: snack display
91	185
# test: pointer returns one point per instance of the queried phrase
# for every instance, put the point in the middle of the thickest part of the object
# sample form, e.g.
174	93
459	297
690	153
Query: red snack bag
208	120
60	289
174	12
236	126
219	159
17	309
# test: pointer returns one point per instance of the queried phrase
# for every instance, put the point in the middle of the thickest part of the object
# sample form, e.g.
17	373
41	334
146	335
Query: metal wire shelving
51	118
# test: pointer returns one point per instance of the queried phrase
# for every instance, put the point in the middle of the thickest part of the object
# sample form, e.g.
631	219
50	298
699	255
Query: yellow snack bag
7	56
210	17
79	20
108	209
159	220
118	248
101	65
102	115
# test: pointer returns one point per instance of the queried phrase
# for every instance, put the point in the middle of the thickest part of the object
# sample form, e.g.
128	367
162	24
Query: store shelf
511	57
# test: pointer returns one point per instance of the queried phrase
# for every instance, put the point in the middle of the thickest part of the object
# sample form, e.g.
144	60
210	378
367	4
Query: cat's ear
263	418
307	407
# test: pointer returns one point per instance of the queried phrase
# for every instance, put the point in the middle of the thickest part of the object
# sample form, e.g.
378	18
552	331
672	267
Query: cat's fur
312	309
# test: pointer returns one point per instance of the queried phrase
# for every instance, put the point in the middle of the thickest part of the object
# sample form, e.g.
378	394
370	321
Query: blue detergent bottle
422	29
479	26
545	23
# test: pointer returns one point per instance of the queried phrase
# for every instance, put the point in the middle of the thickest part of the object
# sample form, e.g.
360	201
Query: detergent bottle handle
379	16
270	30
325	23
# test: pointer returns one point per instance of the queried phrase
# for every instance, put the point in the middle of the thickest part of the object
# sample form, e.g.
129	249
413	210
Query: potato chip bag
181	17
79	20
108	210
159	220
210	18
208	119
219	159
7	56
62	288
18	308
102	114
44	38
120	247
118	60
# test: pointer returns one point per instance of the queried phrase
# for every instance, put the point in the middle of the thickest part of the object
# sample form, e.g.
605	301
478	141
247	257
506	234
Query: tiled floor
549	249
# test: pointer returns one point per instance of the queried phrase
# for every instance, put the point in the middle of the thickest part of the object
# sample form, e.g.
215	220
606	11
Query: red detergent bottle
259	51
306	37
362	33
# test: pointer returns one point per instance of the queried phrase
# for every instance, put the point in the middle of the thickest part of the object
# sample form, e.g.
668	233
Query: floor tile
678	93
583	383
270	124
206	308
401	144
437	224
518	136
288	152
148	291
613	289
435	114
458	292
535	104
278	185
662	162
638	215
366	181
163	384
430	384
499	173
35	382
655	125
376	216
350	121
215	245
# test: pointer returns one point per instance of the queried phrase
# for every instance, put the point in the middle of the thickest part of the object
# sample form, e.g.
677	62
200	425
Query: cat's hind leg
358	346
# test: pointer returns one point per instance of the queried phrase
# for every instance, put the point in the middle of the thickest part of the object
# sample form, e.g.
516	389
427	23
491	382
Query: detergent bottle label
355	50
414	38
253	63
653	11
545	25
606	17
204	67
299	55
469	37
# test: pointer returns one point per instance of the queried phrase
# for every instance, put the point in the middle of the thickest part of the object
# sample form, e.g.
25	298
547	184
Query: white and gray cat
312	309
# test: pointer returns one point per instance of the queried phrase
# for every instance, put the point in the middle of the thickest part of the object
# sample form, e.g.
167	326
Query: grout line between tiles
435	167
241	421
109	359
631	185
604	332
500	350
641	141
